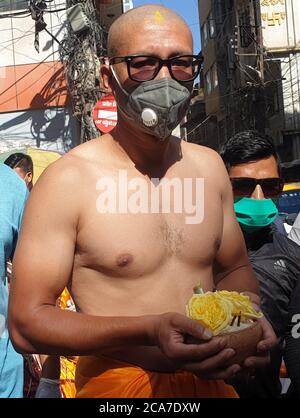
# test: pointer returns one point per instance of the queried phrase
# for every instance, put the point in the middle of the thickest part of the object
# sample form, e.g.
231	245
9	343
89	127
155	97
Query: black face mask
155	107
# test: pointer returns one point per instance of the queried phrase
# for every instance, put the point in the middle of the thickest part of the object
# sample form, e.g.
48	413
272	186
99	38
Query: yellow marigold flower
241	304
216	310
213	312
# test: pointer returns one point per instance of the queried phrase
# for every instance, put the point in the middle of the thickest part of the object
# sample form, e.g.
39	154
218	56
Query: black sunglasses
244	186
141	68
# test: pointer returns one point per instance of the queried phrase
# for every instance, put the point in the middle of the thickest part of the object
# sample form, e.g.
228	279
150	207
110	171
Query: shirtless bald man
131	273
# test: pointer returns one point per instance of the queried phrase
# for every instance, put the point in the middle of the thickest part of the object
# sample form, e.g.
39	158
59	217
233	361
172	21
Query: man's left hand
269	340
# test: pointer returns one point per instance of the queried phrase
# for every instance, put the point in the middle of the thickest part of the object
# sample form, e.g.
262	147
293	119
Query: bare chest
134	243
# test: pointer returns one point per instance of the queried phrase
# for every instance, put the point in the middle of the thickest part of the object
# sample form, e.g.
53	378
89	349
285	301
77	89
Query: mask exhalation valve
149	117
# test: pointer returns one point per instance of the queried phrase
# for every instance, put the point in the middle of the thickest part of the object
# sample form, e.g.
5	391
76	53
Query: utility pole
259	36
260	91
79	52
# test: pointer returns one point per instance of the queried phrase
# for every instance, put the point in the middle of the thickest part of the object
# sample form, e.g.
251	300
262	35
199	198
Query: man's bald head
151	15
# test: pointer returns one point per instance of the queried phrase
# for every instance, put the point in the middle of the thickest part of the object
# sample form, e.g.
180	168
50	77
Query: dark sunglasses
244	186
140	68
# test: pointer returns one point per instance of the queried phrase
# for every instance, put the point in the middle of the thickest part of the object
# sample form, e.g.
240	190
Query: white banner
280	22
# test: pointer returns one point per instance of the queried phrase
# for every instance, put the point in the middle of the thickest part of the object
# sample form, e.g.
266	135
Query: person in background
22	164
253	167
49	384
13	195
254	170
58	372
41	372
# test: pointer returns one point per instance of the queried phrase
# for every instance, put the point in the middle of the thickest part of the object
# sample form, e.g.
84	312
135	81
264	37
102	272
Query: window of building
208	86
272	100
9	5
212	26
127	5
204	34
214	76
230	4
246	36
276	102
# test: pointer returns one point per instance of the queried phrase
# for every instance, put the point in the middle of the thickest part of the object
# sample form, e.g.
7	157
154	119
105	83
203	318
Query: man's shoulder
14	193
201	152
87	150
65	169
73	165
6	173
207	160
10	182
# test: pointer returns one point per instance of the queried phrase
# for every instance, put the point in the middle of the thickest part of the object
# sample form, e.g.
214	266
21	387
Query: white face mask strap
117	80
149	116
124	91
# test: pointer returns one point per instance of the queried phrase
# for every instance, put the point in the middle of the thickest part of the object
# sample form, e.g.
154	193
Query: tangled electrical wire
79	53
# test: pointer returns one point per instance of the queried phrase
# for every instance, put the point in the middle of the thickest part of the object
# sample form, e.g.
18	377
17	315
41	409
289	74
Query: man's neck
150	155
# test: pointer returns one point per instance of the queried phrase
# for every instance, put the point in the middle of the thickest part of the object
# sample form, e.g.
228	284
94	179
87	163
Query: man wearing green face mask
253	167
254	171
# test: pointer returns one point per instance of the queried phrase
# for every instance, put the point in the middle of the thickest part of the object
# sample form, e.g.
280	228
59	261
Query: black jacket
292	343
276	263
277	268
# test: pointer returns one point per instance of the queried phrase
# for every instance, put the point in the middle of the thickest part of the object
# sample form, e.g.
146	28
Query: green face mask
254	214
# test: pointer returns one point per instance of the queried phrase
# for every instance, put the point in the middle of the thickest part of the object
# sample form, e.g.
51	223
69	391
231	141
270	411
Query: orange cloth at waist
104	377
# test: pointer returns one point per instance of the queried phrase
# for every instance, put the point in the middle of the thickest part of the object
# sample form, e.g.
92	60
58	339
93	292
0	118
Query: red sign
105	114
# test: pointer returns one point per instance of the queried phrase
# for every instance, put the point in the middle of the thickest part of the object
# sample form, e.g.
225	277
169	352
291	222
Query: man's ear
106	78
29	177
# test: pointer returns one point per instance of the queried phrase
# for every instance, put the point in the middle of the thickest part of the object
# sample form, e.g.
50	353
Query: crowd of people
123	325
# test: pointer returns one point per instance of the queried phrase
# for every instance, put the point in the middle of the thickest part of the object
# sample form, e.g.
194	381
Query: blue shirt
13	195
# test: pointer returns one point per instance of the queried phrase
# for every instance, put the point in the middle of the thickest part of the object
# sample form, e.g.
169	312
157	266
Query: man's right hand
206	358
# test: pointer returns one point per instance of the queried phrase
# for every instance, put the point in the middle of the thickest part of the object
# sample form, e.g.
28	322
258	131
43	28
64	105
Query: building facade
242	81
34	103
281	36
